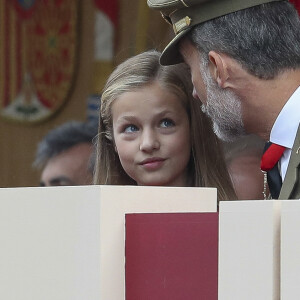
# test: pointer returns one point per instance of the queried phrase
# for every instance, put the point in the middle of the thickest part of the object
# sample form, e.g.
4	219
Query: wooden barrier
69	242
249	250
290	250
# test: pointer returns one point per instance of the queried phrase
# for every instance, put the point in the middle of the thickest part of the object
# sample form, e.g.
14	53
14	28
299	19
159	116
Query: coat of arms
38	48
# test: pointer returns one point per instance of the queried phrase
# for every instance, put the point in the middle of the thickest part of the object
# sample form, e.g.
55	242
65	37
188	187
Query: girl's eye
130	128
165	123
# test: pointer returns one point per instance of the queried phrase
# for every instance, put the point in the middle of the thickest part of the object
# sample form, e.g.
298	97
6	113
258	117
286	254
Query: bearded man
244	58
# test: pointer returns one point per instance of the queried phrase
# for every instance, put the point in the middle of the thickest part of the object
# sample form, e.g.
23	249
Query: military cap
184	14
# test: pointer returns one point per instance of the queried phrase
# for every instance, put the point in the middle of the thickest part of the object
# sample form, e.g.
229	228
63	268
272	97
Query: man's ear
218	68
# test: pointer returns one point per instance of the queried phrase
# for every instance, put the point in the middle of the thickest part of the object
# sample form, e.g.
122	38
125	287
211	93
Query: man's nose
149	141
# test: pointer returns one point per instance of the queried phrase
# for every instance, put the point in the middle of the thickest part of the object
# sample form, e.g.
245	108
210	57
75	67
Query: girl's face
152	136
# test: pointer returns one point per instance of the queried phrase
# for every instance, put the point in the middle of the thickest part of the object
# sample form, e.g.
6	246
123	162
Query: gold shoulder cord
264	192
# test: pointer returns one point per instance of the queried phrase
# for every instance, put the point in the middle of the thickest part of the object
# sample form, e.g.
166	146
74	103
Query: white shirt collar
285	127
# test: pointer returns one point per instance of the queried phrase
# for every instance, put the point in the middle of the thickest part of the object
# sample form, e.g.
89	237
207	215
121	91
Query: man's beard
224	109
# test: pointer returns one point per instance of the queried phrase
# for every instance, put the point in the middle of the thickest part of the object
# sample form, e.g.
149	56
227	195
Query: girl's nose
149	141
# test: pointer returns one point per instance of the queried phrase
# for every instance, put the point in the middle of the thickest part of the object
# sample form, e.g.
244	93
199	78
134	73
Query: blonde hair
206	167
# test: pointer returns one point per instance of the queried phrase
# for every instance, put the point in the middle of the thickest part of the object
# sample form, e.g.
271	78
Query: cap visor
171	54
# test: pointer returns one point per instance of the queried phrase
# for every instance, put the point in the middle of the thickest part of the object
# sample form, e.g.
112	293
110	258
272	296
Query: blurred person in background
243	157
65	155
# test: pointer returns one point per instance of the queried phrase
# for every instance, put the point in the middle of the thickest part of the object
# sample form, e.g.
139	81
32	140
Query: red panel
172	256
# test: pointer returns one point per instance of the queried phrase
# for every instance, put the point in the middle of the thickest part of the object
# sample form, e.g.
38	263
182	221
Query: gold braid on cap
168	18
184	3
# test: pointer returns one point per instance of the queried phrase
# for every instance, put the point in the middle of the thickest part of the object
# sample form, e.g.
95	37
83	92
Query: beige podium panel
67	243
290	250
117	201
249	242
49	243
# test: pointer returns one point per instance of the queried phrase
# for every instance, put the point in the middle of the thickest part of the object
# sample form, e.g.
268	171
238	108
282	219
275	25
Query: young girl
152	131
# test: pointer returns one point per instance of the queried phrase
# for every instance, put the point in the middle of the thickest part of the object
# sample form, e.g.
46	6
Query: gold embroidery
182	24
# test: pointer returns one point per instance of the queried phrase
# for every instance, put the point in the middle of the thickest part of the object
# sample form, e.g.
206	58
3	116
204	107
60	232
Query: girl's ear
218	67
115	147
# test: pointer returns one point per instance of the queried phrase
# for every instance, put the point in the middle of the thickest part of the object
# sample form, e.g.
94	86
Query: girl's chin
153	183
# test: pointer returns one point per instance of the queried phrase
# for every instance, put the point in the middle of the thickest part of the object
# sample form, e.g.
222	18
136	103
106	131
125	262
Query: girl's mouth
152	163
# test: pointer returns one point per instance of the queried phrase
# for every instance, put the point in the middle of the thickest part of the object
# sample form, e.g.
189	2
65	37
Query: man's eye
166	123
130	128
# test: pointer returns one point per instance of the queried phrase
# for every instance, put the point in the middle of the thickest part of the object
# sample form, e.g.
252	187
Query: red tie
269	160
271	157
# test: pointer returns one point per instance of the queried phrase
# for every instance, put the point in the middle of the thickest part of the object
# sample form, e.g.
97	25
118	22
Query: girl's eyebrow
126	118
164	112
130	118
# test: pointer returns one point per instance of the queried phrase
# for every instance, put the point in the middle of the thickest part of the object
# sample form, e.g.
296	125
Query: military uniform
291	184
284	133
